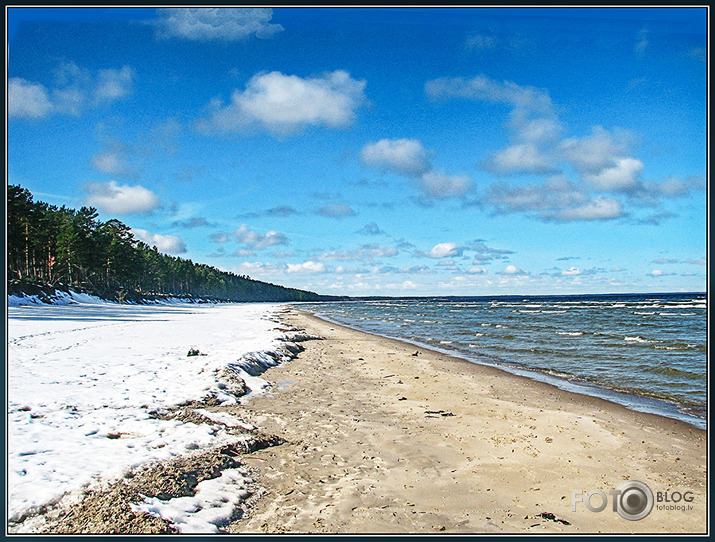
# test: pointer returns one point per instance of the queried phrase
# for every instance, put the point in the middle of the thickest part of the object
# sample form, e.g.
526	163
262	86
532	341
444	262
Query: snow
58	298
84	379
212	505
226	419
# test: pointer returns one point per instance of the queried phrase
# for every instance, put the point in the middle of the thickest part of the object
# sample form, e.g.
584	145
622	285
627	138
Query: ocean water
647	351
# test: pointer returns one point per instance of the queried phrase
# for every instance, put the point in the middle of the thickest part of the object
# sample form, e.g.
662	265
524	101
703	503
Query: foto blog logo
632	501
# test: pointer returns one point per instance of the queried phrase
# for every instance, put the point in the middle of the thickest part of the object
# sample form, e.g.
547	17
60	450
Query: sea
647	352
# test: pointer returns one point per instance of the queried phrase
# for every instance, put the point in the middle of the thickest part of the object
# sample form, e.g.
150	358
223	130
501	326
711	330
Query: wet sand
380	440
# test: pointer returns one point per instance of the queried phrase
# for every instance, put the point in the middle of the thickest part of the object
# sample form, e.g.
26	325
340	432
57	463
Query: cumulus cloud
532	117
220	24
112	84
622	176
520	158
335	210
597	209
76	89
285	104
120	199
445	250
557	199
595	152
113	163
26	99
660	273
402	156
164	243
512	270
409	158
533	124
601	161
306	268
440	185
244	235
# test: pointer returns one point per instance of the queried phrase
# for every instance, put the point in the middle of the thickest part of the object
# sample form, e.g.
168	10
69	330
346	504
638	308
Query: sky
378	151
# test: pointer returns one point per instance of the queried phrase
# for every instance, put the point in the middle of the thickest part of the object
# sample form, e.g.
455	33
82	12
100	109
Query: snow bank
213	504
85	382
58	298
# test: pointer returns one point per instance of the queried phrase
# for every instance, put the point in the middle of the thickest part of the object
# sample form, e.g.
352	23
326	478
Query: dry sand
382	441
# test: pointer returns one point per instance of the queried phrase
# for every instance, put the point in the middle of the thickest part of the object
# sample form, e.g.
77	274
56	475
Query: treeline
72	249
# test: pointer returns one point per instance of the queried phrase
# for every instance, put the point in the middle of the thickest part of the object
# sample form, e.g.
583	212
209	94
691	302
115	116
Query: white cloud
365	253
520	158
596	209
110	162
306	268
403	156
571	271
77	89
409	158
26	99
442	185
260	269
595	152
484	88
164	243
533	123
256	240
120	199
623	175
335	210
113	84
477	271
445	250
513	271
224	24
659	273
554	194
283	104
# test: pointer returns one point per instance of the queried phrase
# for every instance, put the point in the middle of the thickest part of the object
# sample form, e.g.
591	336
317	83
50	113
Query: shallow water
648	346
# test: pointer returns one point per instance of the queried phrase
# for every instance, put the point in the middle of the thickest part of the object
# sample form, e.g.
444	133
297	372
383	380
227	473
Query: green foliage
73	249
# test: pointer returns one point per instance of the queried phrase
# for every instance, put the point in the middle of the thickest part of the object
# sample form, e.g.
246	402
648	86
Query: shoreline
383	441
632	400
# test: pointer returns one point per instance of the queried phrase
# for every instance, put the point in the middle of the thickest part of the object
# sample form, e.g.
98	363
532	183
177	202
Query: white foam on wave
570	333
637	339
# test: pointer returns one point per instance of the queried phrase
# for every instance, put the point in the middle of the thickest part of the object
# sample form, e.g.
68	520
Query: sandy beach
380	440
355	434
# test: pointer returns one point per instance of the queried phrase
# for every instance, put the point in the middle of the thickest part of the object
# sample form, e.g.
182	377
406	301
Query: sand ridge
380	440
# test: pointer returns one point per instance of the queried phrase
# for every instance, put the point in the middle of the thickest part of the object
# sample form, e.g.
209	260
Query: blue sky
393	151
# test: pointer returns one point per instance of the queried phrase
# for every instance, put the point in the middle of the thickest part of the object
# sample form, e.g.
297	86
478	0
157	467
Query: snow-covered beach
87	383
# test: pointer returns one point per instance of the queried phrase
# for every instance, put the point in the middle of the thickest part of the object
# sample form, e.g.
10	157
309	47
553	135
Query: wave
637	339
